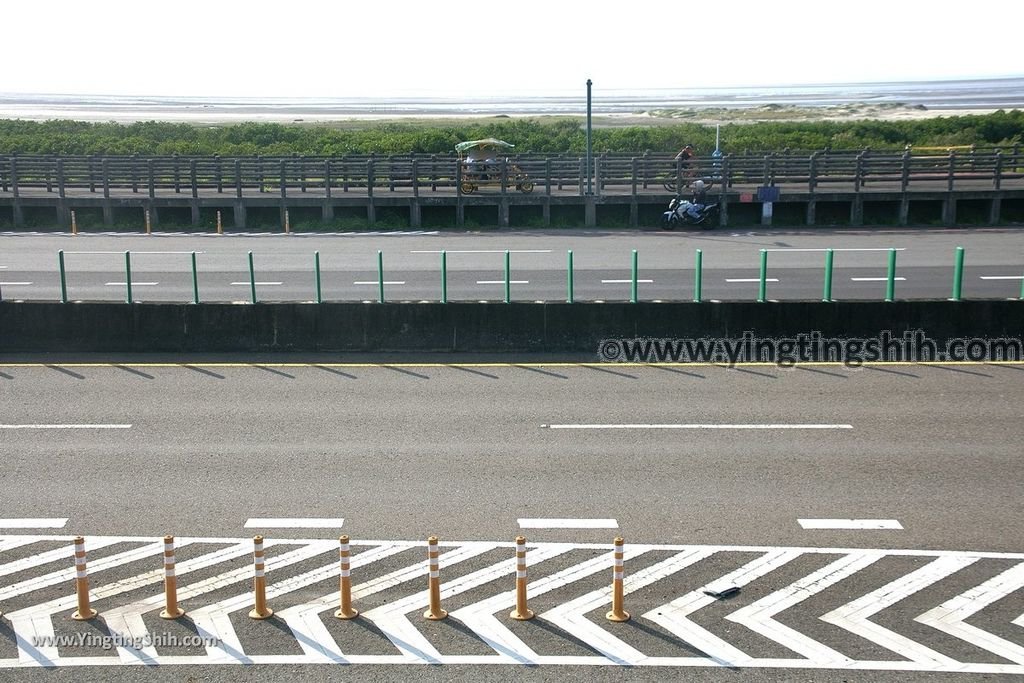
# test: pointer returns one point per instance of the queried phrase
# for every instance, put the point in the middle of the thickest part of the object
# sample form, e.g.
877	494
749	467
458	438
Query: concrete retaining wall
473	327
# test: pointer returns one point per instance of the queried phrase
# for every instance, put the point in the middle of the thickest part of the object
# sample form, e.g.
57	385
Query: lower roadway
719	478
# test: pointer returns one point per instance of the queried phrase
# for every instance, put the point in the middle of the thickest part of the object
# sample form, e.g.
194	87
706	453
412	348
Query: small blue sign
767	193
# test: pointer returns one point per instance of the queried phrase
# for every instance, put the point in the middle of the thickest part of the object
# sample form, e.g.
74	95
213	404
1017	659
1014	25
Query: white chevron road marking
34	625
126	623
480	616
484	618
855	616
674	617
214	621
571	616
758	616
65	552
18	541
391	619
314	638
950	616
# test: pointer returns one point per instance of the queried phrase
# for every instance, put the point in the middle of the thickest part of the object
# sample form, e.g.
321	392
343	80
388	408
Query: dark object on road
727	592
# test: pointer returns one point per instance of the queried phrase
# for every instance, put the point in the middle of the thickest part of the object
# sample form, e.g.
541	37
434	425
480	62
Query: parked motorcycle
679	214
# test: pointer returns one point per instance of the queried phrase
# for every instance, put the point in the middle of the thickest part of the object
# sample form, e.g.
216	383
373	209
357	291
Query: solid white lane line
34	523
699	426
624	282
134	284
294	522
501	282
67	426
877	279
261	284
567	523
480	251
750	279
375	282
1002	277
850	524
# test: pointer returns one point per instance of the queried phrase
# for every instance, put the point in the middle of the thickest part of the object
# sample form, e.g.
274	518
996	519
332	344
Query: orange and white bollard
84	611
220	225
434	582
617	613
171	609
521	612
260	610
344	556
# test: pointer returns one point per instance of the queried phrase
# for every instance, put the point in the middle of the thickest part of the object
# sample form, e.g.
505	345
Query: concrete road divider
554	327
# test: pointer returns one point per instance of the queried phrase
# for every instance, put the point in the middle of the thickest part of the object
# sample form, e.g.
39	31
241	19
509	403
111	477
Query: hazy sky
377	48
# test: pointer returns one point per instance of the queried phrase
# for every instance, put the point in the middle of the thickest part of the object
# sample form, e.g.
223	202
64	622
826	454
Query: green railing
634	281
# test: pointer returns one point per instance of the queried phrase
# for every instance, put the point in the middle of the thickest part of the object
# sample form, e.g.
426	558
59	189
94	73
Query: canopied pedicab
482	162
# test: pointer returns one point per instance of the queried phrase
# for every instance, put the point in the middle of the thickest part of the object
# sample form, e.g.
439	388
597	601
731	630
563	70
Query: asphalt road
462	451
707	474
602	265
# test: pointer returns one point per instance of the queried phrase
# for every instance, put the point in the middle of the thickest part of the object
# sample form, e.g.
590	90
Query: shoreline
648	118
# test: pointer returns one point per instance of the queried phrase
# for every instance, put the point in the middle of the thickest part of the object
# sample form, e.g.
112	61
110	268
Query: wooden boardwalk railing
369	175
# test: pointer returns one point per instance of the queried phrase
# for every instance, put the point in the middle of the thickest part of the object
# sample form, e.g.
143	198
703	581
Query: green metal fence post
890	287
508	277
380	276
63	278
128	276
958	274
762	290
444	276
698	276
316	267
252	279
195	280
826	294
570	294
633	289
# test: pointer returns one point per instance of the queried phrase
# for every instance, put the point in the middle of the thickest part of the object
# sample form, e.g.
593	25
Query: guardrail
762	295
288	176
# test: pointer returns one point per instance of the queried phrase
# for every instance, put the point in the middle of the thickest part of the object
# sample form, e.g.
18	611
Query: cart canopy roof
486	143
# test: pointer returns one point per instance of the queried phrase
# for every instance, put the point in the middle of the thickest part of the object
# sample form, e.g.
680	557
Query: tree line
538	136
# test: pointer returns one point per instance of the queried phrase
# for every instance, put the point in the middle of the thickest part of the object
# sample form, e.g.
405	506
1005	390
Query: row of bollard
261	610
762	294
149	224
